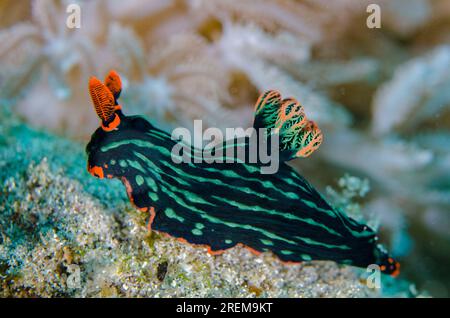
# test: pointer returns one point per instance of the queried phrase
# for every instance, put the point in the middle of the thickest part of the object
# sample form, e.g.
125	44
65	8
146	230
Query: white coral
418	90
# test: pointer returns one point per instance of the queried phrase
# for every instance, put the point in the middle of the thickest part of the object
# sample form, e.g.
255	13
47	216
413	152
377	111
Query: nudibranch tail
387	264
299	137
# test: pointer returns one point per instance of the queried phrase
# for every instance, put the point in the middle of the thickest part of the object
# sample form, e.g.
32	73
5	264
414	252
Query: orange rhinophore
105	102
114	83
102	98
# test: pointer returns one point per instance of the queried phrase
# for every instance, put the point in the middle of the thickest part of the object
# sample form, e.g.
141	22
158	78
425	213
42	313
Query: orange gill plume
311	140
104	104
291	111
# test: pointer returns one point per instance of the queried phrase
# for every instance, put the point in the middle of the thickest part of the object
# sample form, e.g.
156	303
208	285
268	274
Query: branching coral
59	57
428	77
350	189
239	50
179	76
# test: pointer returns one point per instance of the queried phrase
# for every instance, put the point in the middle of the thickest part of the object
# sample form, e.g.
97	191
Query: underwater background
380	95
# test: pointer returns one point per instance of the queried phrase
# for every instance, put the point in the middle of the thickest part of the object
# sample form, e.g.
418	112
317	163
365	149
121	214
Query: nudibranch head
105	102
104	97
115	127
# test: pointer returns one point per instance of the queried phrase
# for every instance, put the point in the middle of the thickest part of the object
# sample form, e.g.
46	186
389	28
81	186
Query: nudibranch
219	206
